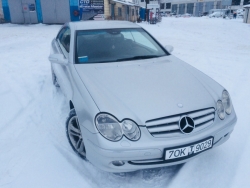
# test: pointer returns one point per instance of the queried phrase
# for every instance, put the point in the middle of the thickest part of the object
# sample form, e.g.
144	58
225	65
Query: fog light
118	163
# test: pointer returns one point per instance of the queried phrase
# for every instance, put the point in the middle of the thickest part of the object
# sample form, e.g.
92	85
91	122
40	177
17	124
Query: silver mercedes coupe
132	104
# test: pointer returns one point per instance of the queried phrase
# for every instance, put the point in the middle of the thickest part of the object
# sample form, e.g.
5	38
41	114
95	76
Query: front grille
169	126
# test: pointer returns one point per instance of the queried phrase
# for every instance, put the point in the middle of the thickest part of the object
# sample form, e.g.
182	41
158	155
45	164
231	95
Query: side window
64	38
60	33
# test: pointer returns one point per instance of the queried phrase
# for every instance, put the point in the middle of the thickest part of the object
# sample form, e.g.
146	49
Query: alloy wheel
75	136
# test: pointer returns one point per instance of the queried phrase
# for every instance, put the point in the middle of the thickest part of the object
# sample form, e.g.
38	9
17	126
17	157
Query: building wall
125	15
202	5
23	11
6	10
142	3
73	7
132	18
248	20
15	7
205	2
46	11
117	17
1	9
55	11
106	9
247	16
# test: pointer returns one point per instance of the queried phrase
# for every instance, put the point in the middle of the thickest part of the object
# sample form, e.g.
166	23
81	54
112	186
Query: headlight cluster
113	130
224	106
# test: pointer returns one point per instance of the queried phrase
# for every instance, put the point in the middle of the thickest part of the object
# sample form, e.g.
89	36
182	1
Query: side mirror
169	48
58	58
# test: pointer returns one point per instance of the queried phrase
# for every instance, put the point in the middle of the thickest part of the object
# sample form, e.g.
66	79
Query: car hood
145	89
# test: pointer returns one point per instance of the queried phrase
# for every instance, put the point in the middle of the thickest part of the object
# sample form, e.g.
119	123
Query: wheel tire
74	134
54	79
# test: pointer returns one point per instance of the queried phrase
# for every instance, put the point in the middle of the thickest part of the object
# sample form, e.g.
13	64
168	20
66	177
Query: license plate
188	151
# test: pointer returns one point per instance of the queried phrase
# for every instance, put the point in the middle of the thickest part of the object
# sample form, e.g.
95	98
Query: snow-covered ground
34	151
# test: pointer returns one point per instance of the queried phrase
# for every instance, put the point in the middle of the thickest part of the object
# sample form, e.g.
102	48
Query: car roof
105	24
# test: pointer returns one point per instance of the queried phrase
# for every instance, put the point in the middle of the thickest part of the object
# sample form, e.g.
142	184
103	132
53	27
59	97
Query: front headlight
109	127
226	102
113	130
220	109
131	130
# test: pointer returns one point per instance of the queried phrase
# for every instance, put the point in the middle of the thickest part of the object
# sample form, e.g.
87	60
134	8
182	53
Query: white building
197	7
121	10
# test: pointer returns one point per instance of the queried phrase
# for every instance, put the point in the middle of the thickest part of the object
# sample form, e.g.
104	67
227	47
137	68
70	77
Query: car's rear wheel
74	134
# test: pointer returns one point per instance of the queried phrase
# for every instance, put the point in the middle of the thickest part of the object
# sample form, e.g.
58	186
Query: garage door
55	11
23	11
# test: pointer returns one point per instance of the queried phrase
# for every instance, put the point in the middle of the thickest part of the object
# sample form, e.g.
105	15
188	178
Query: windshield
112	45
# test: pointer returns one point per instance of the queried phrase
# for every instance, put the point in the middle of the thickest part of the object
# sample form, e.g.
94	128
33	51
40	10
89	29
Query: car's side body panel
85	107
73	87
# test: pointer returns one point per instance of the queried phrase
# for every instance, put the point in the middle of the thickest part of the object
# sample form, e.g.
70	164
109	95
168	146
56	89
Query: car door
62	71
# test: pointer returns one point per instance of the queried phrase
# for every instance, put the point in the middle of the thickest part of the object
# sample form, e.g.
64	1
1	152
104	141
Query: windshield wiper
138	57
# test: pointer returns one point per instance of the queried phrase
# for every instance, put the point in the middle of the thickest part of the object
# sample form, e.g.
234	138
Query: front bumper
148	152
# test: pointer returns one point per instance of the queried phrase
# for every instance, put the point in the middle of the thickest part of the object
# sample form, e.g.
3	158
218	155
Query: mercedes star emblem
186	125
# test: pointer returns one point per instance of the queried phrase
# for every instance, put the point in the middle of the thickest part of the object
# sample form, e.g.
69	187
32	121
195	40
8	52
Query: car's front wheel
74	134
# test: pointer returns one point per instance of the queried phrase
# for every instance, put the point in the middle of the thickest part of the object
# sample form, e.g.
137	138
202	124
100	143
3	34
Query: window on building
246	2
218	5
174	9
236	2
181	9
142	0
168	5
190	8
119	11
162	5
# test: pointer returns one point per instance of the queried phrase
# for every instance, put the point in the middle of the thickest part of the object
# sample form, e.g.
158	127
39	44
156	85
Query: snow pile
34	151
